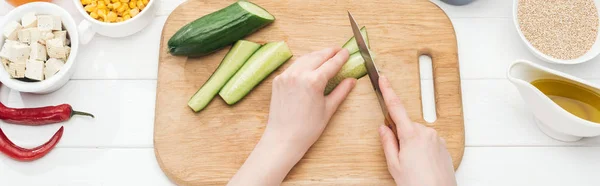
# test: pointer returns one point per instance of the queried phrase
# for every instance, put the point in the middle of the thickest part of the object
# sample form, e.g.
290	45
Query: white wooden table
503	145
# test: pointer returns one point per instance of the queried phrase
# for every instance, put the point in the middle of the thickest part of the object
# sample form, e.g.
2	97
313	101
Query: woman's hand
418	156
298	115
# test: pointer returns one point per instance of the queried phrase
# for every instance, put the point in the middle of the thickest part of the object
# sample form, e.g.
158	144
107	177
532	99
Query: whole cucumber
216	30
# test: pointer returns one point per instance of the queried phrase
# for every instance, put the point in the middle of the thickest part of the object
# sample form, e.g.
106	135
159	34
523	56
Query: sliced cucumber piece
354	68
219	29
351	43
268	58
233	61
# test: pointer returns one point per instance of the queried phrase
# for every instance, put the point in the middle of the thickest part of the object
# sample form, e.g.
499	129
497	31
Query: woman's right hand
417	156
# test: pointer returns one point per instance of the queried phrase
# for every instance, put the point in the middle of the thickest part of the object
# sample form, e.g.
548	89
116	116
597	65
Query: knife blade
371	71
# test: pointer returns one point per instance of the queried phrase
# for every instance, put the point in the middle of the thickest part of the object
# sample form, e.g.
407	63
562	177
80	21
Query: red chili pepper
22	154
39	116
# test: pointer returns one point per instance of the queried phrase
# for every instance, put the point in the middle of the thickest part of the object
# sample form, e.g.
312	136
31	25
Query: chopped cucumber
268	58
351	43
354	67
233	61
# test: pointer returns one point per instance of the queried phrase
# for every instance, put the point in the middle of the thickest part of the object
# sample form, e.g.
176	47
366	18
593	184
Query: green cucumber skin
266	60
233	61
351	44
214	31
354	68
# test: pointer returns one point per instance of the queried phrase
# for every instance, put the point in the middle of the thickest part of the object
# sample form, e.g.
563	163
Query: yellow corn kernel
140	5
116	5
90	8
101	13
119	19
145	2
94	15
126	17
133	12
94	1
122	8
106	2
126	13
101	19
114	1
132	4
124	1
111	17
101	5
86	2
110	6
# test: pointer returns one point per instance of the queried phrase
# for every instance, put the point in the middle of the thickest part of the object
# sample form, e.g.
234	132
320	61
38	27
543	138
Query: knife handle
390	123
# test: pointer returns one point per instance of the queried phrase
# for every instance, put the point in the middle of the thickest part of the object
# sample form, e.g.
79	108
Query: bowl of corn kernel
113	18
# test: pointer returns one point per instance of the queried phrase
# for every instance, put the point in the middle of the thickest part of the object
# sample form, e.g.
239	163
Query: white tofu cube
53	65
15	51
47	35
38	52
45	22
49	22
57	23
62	35
24	35
34	69
29	20
11	29
17	69
5	63
56	49
34	35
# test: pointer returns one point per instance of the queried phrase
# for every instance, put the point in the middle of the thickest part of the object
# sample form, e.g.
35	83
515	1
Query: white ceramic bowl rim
592	53
68	22
89	18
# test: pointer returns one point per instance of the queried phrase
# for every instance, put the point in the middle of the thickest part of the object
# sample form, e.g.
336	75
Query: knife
372	71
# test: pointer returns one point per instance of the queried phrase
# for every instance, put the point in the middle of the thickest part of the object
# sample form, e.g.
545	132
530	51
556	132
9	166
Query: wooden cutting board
207	148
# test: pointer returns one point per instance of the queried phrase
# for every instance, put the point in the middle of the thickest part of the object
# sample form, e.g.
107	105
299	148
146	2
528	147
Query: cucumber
216	30
351	43
354	67
268	58
233	61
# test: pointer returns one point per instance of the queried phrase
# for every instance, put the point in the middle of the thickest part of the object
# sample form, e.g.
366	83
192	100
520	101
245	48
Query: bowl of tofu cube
39	46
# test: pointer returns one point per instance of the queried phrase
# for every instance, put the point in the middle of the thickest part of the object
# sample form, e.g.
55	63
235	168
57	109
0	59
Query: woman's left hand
298	115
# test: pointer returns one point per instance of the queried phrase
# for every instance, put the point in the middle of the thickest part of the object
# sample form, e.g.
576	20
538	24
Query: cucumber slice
233	61
216	30
268	58
351	43
354	68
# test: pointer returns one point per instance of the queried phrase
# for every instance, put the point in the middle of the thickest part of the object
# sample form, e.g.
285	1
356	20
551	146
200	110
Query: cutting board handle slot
428	103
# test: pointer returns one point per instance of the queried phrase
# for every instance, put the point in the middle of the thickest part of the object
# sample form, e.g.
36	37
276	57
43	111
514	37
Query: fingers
395	108
338	95
390	147
333	65
315	59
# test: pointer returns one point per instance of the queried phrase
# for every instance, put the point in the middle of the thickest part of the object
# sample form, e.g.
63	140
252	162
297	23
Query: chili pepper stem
74	112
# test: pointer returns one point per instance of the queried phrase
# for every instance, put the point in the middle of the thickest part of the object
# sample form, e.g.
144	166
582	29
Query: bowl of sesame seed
559	31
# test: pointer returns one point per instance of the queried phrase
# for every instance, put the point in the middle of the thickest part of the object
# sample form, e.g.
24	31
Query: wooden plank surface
207	148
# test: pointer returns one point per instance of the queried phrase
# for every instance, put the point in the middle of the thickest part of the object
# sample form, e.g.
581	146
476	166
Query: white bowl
62	77
90	26
592	53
